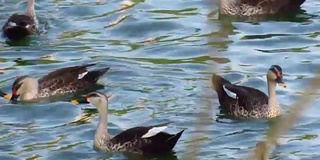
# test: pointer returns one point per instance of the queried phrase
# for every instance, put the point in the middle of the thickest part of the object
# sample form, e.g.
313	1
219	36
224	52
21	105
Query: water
157	81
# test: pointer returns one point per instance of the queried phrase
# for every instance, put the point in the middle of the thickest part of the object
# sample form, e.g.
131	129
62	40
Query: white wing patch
153	131
12	24
80	76
229	93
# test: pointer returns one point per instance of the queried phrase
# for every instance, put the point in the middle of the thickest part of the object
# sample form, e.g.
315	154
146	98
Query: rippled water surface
161	54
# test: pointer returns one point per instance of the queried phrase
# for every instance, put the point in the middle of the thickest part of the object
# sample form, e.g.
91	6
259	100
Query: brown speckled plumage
258	7
20	25
64	80
130	140
142	140
249	102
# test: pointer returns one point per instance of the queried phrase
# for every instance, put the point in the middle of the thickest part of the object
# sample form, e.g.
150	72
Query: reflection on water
161	58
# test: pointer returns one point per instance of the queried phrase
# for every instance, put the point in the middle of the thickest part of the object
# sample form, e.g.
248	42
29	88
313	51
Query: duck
61	81
247	102
258	7
145	140
21	25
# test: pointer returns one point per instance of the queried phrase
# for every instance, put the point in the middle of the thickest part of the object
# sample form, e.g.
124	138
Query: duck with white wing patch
21	25
61	81
142	140
247	102
259	7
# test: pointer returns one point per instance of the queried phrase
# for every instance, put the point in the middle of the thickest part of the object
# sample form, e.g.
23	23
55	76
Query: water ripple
161	58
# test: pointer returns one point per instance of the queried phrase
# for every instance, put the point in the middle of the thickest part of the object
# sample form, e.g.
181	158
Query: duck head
275	74
98	99
26	87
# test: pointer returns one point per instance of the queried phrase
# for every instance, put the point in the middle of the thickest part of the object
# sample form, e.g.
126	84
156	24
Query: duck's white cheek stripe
153	131
229	93
80	76
27	26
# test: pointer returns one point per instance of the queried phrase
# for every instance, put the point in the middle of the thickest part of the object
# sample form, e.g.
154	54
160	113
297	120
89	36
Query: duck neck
30	10
273	103
102	131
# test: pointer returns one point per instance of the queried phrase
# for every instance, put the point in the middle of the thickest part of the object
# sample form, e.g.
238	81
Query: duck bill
14	97
281	82
79	101
4	95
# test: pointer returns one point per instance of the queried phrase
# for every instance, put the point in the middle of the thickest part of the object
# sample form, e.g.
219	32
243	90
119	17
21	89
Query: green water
154	82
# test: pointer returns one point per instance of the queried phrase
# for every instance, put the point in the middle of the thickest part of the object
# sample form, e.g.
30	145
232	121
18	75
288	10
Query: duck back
69	80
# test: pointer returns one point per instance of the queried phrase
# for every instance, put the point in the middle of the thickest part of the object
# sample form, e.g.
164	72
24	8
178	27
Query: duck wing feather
160	142
24	25
248	97
271	4
233	95
253	7
70	79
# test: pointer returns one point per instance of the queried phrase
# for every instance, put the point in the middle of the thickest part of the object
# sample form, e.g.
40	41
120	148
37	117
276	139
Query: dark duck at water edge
21	25
247	102
61	81
258	7
148	140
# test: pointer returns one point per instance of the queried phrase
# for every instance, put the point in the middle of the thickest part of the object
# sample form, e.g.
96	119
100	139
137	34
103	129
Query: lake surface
162	55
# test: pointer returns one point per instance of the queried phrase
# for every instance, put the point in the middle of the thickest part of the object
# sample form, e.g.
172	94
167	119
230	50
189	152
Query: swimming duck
142	140
61	81
247	102
21	25
258	7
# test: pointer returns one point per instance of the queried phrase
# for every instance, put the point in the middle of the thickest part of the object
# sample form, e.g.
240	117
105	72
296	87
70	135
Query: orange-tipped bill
79	101
281	82
4	95
75	102
282	85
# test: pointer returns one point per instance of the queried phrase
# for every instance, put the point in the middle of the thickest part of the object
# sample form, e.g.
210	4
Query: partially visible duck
247	102
142	140
258	7
61	81
21	25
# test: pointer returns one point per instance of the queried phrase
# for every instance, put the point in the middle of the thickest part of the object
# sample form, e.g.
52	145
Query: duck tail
94	76
217	83
161	143
297	3
172	141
